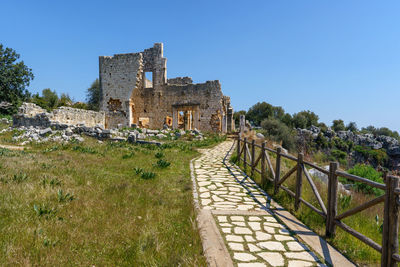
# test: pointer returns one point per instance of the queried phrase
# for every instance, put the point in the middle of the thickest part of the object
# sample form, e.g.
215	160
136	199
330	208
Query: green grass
99	205
367	222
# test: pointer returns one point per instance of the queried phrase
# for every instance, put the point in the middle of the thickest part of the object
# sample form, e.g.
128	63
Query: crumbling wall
30	114
119	76
180	80
73	116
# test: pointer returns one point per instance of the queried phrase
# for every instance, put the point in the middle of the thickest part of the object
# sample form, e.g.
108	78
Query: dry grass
114	217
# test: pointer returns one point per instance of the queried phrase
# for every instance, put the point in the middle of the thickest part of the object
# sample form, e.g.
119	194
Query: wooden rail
389	248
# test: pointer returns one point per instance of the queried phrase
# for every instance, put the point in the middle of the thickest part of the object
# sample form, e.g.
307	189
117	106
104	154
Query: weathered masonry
136	90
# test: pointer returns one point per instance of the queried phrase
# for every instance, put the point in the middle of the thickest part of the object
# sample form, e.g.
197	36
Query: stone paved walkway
249	228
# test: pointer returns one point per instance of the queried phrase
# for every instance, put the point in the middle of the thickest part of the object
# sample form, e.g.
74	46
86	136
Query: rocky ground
67	133
390	144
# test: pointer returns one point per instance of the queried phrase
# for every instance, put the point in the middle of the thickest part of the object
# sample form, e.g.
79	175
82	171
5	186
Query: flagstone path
244	218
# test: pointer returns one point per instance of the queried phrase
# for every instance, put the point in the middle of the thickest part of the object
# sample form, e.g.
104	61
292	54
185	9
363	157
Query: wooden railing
246	152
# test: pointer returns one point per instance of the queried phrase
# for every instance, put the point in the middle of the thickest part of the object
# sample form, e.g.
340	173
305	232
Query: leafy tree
352	127
280	132
93	96
236	115
323	127
65	100
338	125
288	120
50	98
305	119
14	78
263	110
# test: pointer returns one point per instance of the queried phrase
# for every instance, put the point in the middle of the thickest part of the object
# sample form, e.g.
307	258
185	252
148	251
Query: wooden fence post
277	170
245	154
253	160
299	181
330	226
263	171
238	150
390	233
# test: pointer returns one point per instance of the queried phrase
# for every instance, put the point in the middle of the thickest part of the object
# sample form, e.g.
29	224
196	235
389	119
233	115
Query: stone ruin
136	91
130	98
30	114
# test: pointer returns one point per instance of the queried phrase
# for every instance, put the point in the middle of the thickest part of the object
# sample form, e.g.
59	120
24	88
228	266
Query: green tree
338	125
65	100
352	127
93	96
14	78
304	119
236	116
279	132
50	98
263	110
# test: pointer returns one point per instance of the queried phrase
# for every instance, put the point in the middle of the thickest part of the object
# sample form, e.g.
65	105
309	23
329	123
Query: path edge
214	247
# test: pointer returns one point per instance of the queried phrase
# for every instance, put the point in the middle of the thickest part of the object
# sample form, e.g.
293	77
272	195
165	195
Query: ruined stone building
135	90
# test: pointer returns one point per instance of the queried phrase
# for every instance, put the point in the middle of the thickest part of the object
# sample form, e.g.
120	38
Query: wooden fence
246	152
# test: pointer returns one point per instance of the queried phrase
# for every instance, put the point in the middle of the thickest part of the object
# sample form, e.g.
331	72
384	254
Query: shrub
234	158
321	141
148	175
43	210
82	149
64	197
19	177
138	170
279	132
163	163
129	155
338	154
159	155
379	155
368	172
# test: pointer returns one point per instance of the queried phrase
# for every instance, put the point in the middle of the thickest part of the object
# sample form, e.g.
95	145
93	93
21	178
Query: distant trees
263	110
338	125
14	78
49	99
93	96
352	127
236	115
380	131
305	119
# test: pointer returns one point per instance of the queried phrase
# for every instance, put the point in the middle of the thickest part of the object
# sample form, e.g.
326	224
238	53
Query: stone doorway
185	117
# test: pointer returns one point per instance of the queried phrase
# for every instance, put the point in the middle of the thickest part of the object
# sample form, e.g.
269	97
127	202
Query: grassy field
367	222
91	204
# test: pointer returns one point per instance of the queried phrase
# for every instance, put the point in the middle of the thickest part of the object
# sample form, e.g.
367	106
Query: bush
148	175
379	155
279	132
368	172
162	163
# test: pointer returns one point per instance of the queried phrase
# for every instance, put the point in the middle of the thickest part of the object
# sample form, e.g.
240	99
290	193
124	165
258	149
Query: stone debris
59	132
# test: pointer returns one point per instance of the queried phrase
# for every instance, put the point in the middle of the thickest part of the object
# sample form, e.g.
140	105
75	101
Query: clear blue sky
340	59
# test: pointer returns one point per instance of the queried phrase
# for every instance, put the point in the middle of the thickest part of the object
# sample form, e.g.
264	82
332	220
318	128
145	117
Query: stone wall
32	115
128	98
73	116
180	80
